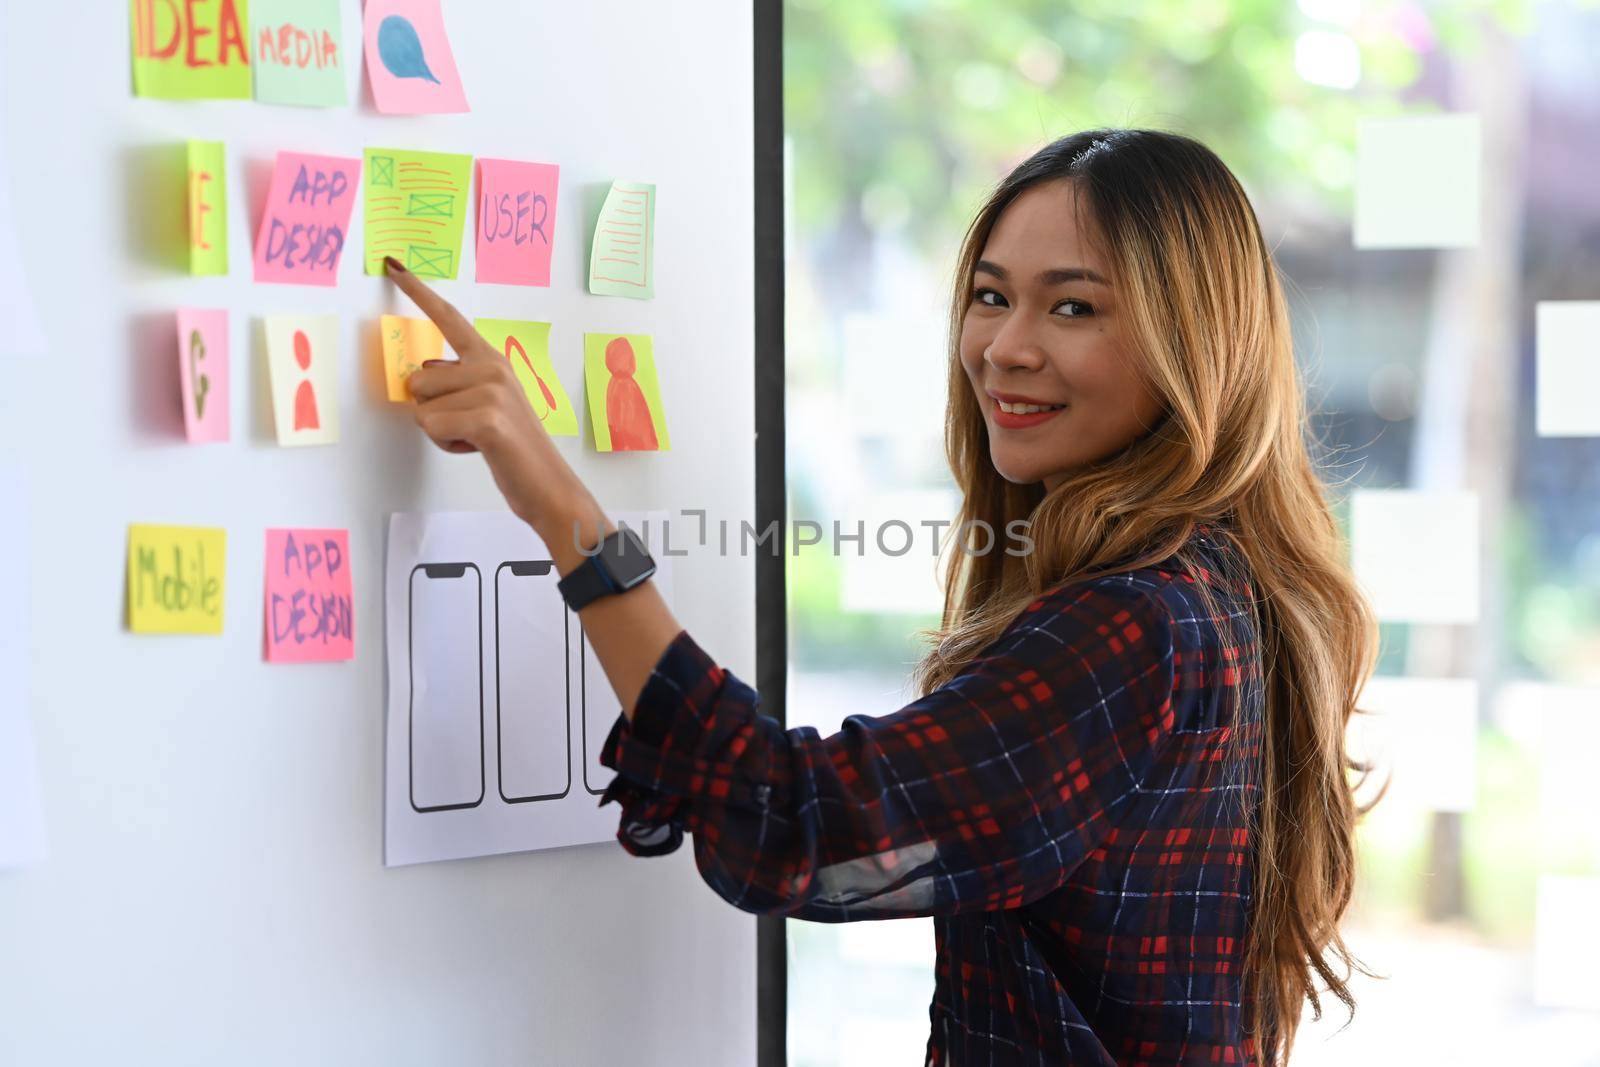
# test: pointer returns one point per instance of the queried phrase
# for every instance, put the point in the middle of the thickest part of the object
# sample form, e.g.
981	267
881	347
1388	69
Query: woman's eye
989	298
1079	308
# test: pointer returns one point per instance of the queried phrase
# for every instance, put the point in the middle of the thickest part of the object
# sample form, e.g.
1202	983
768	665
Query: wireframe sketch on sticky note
407	344
527	346
203	373
416	210
303	363
175	579
208	208
622	258
619	371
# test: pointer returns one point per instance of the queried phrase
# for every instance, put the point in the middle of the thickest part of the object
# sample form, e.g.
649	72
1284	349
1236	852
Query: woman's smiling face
1042	331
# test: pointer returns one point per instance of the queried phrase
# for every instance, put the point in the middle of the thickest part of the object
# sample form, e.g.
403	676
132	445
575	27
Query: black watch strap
586	582
616	565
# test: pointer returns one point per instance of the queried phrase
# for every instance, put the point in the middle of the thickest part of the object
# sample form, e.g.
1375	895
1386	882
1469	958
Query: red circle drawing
302	349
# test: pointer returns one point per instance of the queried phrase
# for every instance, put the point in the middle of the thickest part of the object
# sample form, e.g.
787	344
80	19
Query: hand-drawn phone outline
583	698
524	568
439	570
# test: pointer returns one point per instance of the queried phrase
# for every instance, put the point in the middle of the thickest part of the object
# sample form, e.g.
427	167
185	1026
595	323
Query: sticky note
175	579
1566	939
303	364
310	607
407	344
190	49
299	52
203	373
1418	182
516	221
307	215
527	346
208	208
619	371
622	258
1415	553
409	62
1422	734
1567	368
416	209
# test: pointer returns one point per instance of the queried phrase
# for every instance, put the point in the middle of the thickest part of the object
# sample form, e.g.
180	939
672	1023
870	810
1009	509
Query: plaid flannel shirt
1068	810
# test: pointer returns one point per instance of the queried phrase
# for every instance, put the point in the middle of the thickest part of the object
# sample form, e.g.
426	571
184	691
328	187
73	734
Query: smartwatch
617	564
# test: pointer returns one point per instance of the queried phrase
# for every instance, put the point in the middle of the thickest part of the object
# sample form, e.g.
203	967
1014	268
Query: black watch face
626	558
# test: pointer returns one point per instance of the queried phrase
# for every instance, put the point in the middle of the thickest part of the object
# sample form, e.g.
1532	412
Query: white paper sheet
496	705
1416	553
1418	181
22	835
22	334
1567	368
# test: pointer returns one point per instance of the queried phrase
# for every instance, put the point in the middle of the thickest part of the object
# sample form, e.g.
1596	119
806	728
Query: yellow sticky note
208	208
527	346
619	372
175	579
407	344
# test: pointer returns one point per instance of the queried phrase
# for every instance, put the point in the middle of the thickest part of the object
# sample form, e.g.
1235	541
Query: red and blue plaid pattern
1073	810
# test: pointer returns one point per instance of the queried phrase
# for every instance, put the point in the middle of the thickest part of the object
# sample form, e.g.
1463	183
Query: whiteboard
215	889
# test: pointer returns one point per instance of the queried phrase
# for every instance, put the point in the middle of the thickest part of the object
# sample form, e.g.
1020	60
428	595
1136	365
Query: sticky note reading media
516	221
299	54
208	208
306	218
175	579
409	62
407	344
203	373
310	607
619	371
622	258
416	209
527	346
190	50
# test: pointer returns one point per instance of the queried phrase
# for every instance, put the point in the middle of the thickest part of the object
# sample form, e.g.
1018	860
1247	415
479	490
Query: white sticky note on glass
1423	732
1415	553
1418	181
22	834
1567	374
1569	735
1566	941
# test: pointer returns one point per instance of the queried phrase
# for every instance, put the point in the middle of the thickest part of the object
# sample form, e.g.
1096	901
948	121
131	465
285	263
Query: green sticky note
527	346
619	374
298	52
416	208
191	49
208	208
622	258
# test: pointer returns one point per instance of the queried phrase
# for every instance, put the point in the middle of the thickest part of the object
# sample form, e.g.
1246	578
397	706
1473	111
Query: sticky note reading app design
307	215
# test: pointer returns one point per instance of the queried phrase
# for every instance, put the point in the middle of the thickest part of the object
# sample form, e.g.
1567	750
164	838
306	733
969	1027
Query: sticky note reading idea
190	49
307	214
409	62
416	208
407	343
208	208
527	346
299	56
619	371
175	578
310	608
516	221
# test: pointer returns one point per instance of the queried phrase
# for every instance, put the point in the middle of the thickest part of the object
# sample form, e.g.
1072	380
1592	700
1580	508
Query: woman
1122	795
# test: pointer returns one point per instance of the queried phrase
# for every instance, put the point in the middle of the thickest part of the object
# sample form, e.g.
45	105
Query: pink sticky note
516	221
306	218
203	373
409	62
310	607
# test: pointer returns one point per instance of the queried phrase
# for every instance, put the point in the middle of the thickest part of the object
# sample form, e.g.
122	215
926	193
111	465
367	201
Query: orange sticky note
407	343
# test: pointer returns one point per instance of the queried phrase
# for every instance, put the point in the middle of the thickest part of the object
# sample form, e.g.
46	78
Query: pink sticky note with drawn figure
409	63
203	373
310	605
306	218
516	221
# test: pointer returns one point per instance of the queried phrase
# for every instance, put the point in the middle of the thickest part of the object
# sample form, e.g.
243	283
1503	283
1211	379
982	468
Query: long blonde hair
1204	310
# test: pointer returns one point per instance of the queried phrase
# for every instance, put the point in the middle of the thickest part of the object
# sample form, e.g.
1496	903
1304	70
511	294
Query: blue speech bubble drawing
401	49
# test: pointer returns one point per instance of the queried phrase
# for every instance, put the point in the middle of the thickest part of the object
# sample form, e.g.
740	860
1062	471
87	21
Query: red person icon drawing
627	413
305	397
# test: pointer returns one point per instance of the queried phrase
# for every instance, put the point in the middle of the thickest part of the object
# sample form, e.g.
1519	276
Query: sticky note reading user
619	371
208	208
190	49
203	373
416	209
1418	181
299	52
622	258
310	607
306	218
303	364
516	221
409	62
527	346
407	344
175	579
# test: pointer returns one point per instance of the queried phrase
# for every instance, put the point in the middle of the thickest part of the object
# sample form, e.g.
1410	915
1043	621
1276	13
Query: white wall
215	890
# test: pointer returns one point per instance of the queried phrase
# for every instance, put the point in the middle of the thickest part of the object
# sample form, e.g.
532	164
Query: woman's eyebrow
1053	276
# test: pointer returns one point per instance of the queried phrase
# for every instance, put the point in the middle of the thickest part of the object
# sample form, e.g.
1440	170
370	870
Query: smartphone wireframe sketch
533	726
445	648
600	710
